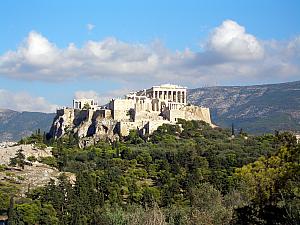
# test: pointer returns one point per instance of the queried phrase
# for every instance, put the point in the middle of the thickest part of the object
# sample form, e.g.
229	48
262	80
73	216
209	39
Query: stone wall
147	115
188	113
197	113
174	114
121	108
125	127
153	125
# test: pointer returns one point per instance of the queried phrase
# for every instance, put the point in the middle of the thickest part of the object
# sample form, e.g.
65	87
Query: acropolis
144	111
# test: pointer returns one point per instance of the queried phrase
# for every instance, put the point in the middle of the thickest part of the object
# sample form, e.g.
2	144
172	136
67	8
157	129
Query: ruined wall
146	115
143	104
174	114
121	108
188	113
197	113
151	126
124	127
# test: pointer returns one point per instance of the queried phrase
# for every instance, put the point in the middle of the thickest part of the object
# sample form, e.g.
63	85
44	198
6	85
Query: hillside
15	125
255	109
188	174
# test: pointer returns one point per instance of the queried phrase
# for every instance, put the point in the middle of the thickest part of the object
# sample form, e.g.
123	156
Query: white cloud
230	55
90	27
103	98
22	101
231	41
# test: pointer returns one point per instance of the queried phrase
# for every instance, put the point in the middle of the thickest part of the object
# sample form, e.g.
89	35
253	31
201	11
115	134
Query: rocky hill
31	176
15	125
255	109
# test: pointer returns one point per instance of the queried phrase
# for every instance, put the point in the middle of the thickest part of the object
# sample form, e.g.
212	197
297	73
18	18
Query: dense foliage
182	174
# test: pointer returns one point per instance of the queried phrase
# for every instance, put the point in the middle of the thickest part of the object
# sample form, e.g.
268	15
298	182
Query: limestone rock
88	126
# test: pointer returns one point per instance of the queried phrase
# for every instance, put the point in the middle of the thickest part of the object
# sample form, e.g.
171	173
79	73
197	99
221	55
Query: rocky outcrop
88	126
31	176
62	123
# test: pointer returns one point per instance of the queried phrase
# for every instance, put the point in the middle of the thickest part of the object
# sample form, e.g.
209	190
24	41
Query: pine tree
19	159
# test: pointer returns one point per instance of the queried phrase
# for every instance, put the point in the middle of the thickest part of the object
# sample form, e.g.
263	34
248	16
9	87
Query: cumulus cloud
230	54
22	101
90	27
231	41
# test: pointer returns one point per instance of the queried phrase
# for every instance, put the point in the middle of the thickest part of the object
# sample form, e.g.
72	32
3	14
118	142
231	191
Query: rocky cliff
88	126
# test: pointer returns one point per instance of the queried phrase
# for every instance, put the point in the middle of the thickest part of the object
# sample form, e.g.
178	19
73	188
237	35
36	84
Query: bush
32	158
49	160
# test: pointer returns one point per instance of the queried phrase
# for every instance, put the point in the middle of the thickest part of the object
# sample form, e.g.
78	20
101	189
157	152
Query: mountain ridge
255	108
14	125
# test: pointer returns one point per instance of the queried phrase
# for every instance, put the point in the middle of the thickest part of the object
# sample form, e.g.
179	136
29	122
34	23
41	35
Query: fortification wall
174	114
147	115
125	127
121	108
197	113
151	126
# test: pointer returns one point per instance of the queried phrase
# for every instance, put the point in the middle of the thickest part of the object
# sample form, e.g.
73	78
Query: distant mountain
255	109
15	125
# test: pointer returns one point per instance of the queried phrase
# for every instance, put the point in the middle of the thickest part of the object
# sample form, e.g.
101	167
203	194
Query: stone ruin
143	111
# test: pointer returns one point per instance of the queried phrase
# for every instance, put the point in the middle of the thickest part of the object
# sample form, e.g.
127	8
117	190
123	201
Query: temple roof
169	86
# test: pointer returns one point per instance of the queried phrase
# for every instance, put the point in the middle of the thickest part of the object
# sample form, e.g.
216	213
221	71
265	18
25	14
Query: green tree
33	213
271	186
208	206
19	159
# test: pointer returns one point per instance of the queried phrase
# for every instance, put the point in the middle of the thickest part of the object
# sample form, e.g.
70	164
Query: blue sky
51	51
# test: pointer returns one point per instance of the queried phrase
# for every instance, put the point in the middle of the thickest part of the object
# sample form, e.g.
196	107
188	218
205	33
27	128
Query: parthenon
173	95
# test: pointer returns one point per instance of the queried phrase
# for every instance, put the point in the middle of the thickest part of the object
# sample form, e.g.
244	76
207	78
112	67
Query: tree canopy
188	173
